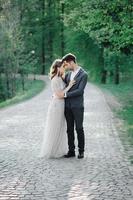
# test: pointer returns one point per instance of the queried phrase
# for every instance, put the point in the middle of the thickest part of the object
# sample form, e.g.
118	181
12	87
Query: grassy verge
124	94
32	88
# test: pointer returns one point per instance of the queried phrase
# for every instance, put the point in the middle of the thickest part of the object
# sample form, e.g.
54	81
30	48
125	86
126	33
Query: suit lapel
78	73
69	75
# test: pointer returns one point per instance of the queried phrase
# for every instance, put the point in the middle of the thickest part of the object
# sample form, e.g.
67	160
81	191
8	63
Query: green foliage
12	47
88	53
32	88
123	93
41	24
109	24
30	38
34	33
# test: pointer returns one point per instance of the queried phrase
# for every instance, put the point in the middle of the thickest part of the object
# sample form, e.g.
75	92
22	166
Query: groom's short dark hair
69	57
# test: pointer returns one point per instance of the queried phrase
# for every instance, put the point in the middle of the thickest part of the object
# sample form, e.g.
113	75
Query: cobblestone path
104	173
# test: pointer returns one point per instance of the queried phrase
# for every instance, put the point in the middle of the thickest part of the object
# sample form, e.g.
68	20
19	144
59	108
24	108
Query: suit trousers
74	117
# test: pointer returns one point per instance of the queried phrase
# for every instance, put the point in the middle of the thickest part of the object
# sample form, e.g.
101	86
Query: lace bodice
57	84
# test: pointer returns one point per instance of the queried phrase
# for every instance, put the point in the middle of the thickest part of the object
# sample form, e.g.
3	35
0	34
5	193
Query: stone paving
104	173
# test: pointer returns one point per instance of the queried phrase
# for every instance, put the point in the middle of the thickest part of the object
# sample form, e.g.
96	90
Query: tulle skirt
54	143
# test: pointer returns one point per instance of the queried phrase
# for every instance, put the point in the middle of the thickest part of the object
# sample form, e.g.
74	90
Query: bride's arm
71	83
60	93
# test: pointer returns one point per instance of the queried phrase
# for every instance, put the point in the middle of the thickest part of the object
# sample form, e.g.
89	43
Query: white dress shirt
74	73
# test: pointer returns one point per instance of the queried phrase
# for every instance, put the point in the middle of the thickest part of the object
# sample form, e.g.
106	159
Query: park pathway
104	173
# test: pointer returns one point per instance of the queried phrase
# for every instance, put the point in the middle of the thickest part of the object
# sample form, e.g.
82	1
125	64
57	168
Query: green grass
32	88
124	94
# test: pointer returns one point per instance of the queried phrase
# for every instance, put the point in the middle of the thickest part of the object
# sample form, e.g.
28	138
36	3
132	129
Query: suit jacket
75	96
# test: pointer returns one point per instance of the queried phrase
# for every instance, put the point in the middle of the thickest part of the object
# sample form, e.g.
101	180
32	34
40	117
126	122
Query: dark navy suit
74	109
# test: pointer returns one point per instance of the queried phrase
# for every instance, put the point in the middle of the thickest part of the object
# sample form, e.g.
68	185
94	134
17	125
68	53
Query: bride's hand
60	94
71	83
63	76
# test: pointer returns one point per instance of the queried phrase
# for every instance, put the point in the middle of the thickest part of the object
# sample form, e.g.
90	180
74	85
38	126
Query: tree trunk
43	37
2	93
62	29
103	70
22	80
117	73
7	85
50	34
104	76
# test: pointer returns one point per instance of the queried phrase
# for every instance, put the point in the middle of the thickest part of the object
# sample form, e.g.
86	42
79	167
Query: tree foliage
108	23
34	33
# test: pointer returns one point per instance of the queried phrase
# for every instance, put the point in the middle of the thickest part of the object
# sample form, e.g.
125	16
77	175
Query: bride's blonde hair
54	68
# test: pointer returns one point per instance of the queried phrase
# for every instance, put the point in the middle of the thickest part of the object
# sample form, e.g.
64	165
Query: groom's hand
60	94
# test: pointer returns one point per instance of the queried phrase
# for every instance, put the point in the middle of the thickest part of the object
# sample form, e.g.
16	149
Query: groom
74	104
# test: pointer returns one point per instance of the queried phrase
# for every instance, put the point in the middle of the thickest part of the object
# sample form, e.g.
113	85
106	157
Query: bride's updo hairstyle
54	68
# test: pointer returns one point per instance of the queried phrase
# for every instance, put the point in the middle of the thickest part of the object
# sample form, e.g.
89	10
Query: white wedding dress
54	143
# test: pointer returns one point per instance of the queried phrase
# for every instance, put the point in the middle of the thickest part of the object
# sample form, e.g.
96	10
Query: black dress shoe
69	155
80	155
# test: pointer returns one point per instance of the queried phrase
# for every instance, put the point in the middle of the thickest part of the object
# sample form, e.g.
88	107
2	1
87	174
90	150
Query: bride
54	143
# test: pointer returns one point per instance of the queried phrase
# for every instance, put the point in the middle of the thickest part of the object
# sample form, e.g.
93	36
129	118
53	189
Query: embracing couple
66	110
